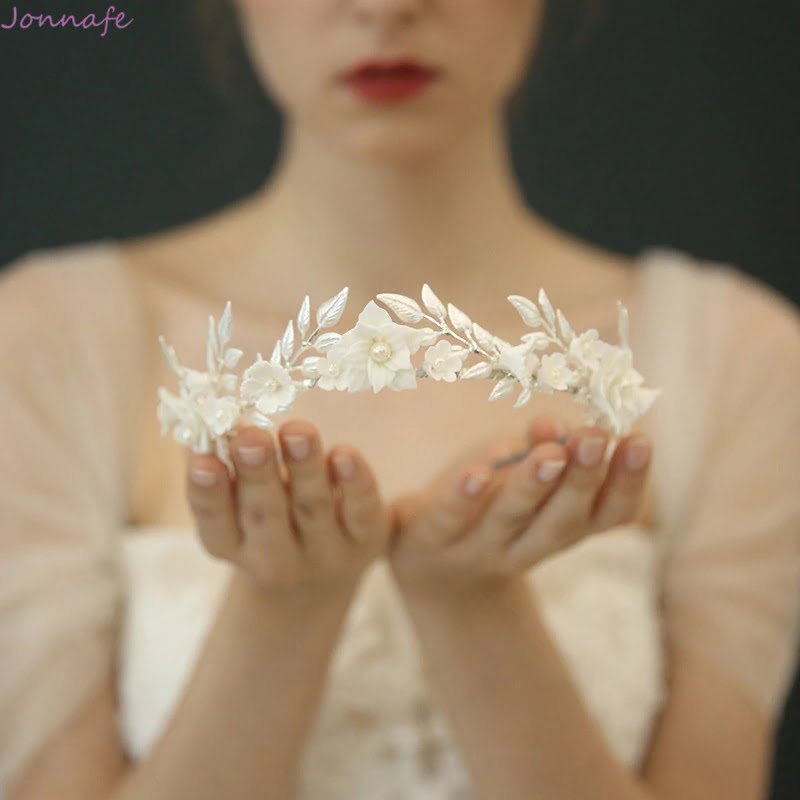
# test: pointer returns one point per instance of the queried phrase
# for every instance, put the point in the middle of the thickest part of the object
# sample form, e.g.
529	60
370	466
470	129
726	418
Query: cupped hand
476	521
309	517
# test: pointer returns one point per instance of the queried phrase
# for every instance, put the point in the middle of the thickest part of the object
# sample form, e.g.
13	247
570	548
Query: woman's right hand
308	521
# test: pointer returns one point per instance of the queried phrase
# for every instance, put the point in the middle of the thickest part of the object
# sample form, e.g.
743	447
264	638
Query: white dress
79	587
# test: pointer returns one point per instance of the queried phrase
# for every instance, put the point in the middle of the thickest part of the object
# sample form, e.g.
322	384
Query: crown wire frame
376	353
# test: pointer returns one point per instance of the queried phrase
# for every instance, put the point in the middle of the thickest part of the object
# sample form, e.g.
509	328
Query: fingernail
202	477
590	450
637	453
253	456
475	482
299	447
548	471
344	465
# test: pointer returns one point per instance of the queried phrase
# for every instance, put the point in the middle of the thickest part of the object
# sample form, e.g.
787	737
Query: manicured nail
344	465
475	482
590	450
253	456
637	453
299	446
202	477
548	471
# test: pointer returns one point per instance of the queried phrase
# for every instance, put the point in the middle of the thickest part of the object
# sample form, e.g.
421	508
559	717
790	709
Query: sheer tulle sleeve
732	579
66	354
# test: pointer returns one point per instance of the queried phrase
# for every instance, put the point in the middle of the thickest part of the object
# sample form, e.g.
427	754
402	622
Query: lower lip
389	88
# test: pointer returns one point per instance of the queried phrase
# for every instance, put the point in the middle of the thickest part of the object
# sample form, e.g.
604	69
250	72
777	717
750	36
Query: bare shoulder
187	254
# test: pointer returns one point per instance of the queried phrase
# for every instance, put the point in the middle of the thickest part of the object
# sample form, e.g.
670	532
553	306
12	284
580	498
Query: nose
386	12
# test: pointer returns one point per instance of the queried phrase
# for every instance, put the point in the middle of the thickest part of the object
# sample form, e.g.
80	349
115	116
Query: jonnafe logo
23	20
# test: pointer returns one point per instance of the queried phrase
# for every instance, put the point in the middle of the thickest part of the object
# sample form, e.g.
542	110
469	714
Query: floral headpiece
376	354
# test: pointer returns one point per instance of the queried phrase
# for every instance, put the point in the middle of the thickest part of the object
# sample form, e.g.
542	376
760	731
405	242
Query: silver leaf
287	341
433	303
310	366
622	325
461	322
212	336
225	325
326	341
524	396
429	336
405	309
275	358
567	334
538	340
482	369
484	338
232	356
330	312
503	387
527	310
211	358
169	355
304	317
547	308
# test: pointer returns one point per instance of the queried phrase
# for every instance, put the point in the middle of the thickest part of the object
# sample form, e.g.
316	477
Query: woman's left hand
515	518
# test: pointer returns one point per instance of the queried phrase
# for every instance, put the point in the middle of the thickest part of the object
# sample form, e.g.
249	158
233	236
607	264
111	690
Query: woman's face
301	49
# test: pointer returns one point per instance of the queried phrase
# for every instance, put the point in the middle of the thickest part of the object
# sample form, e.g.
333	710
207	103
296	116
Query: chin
398	141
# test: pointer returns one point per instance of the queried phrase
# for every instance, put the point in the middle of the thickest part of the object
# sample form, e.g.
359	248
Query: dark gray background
657	123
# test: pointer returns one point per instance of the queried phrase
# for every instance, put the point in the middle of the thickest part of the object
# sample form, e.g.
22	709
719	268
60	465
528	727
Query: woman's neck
457	221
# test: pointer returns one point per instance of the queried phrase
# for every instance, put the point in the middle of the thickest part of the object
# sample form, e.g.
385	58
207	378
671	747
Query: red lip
388	80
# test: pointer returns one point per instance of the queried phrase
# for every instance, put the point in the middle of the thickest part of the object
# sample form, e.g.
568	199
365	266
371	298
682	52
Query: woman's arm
459	560
299	548
525	730
239	728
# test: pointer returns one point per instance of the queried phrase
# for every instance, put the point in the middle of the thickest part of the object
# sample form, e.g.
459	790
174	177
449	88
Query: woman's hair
566	27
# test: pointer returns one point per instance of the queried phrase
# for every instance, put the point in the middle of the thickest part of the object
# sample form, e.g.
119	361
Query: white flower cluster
377	353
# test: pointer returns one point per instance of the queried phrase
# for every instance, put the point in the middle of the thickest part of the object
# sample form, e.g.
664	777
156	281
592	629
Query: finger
311	505
546	428
361	511
564	516
261	506
621	494
524	489
210	496
451	505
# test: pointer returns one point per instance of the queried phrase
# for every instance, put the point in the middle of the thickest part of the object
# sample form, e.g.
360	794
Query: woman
390	616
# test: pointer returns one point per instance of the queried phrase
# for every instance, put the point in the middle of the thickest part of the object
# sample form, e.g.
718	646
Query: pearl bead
380	351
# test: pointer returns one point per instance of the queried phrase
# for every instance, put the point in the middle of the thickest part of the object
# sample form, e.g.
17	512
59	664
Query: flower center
437	365
380	352
271	385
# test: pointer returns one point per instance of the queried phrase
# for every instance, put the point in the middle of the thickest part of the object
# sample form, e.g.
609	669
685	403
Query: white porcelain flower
555	374
520	360
617	394
376	352
587	348
220	414
268	386
443	361
181	417
332	372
